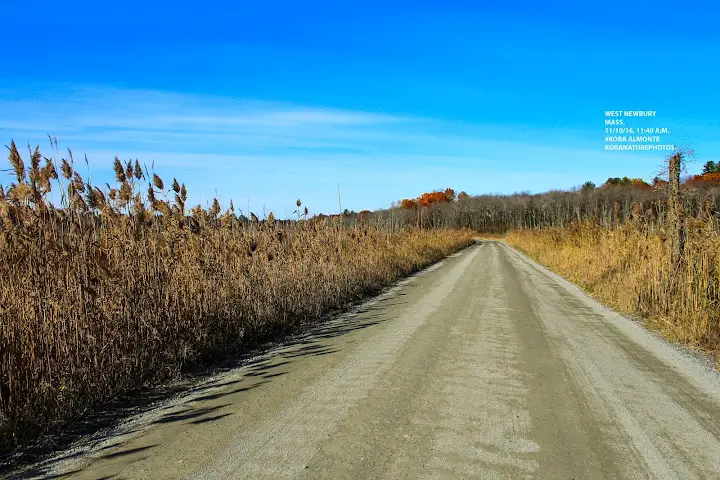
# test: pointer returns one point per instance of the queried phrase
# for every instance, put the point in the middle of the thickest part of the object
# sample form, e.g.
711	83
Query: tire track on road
282	446
477	407
632	391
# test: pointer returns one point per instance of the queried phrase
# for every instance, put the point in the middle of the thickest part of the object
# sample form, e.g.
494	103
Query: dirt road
484	366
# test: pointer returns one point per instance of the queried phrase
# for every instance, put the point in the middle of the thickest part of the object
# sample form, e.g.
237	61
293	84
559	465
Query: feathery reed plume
99	198
157	181
119	171
78	183
77	201
129	169
35	158
16	162
139	174
151	196
67	171
90	198
164	208
215	208
126	193
180	204
48	173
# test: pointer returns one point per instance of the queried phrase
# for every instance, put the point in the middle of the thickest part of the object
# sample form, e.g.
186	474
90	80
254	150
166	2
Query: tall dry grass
628	268
120	286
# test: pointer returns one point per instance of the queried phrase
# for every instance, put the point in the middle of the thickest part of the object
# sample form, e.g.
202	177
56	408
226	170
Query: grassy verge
627	268
123	286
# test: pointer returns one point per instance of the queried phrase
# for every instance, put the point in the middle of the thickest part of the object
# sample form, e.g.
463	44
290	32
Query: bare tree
676	211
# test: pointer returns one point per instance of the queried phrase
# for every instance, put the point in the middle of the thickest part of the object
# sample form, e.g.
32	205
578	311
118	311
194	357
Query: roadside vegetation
664	268
105	289
648	249
627	268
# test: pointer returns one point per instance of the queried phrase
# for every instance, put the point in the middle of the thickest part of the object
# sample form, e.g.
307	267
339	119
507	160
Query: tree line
616	201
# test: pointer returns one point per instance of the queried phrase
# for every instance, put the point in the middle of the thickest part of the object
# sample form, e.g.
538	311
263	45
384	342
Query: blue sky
265	101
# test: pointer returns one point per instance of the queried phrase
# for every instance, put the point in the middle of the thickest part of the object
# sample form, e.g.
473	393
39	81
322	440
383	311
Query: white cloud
271	150
161	121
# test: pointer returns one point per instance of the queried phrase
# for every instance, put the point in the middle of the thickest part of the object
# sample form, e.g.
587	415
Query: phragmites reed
17	163
151	196
129	170
139	174
157	181
119	171
66	169
114	287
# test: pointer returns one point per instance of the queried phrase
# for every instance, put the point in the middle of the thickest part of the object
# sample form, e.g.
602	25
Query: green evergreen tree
711	167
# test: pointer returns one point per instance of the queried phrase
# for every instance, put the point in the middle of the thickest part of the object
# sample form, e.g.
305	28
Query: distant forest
617	200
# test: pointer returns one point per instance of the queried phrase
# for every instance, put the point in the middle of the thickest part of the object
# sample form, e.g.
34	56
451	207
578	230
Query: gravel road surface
483	366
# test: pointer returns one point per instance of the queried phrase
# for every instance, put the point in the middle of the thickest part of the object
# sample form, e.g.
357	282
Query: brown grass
628	269
115	288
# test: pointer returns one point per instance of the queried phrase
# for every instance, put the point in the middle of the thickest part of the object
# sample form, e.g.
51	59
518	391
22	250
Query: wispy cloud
144	109
167	122
272	151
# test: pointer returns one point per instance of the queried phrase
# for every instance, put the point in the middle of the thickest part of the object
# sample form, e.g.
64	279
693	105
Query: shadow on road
86	435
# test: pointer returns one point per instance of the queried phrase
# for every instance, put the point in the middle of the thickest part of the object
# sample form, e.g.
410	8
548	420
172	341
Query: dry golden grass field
107	289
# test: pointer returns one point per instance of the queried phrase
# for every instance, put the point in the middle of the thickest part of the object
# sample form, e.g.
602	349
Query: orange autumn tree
427	200
640	183
708	179
408	204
